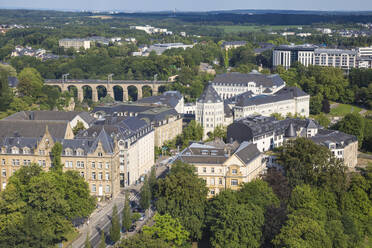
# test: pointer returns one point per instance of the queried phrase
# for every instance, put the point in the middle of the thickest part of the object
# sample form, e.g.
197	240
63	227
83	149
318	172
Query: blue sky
188	5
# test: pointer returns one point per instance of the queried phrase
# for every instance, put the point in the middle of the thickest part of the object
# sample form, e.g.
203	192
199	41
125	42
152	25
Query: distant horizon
190	5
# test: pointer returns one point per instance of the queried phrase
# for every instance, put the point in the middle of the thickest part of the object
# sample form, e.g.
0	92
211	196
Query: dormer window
100	154
42	152
26	150
68	152
15	150
79	152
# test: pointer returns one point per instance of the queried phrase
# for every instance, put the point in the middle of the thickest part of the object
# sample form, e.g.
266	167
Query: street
100	219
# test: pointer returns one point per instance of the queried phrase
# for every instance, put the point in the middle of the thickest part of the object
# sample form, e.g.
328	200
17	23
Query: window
15	162
100	165
100	154
234	182
107	176
220	181
66	164
107	188
82	164
212	181
79	152
94	188
26	150
93	176
82	174
107	165
212	192
68	152
204	169
93	165
26	162
3	172
41	152
234	171
100	176
15	150
3	162
4	185
212	169
70	164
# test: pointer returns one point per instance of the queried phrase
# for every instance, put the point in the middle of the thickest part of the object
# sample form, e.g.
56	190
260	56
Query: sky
188	5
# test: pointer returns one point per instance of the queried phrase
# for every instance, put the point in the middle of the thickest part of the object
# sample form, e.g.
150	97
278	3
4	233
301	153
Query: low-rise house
224	166
233	44
171	99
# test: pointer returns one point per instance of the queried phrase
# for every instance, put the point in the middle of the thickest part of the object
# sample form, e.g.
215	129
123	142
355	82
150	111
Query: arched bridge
94	84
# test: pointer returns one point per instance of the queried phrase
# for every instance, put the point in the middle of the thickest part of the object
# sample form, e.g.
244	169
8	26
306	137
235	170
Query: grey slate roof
209	95
216	152
325	137
50	115
286	93
266	81
32	129
290	131
168	98
12	82
247	151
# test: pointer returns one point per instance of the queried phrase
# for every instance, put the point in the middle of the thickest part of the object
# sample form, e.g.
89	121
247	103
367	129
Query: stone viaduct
94	84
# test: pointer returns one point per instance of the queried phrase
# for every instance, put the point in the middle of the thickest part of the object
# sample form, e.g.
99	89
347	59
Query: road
100	219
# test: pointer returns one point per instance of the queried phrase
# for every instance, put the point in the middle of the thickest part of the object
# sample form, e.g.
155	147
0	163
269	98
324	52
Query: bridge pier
80	94
139	93
125	94
94	95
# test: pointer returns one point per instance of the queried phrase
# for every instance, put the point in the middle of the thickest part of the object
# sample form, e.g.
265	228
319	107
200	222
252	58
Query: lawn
252	28
344	109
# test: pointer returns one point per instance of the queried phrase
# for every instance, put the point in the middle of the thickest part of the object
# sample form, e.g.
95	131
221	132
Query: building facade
289	100
224	166
74	43
268	133
231	84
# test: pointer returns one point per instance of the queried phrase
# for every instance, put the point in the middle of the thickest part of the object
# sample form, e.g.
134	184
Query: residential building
171	99
152	30
166	121
233	44
231	84
365	51
189	108
207	68
224	166
268	133
75	43
364	62
161	48
288	100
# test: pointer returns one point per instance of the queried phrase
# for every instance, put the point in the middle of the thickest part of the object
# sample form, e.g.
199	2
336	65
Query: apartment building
74	43
224	166
339	58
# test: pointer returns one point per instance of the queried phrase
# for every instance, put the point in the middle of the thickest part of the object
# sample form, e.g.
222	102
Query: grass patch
344	109
253	28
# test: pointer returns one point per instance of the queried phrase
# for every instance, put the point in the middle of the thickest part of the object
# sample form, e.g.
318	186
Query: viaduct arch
65	84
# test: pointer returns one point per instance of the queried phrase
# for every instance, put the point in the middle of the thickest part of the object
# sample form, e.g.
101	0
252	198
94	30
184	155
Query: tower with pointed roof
209	110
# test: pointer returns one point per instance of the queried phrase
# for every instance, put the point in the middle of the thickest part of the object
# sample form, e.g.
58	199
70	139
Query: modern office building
287	55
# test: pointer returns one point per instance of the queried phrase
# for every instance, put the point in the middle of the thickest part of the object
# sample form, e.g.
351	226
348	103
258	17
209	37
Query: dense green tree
145	194
30	83
143	241
168	229
79	127
183	195
56	156
326	107
115	225
316	104
152	181
306	162
6	95
323	120
353	124
127	218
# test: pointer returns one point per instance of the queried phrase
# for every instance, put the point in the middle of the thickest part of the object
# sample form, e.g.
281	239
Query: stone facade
224	166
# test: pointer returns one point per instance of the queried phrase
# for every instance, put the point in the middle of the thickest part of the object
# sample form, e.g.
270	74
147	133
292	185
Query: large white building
289	100
365	51
210	110
231	84
287	55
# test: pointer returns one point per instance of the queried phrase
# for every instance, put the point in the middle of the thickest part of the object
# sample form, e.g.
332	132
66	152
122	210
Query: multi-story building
166	121
268	133
224	166
288	100
231	84
74	43
339	58
210	110
365	51
287	55
109	154
233	44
